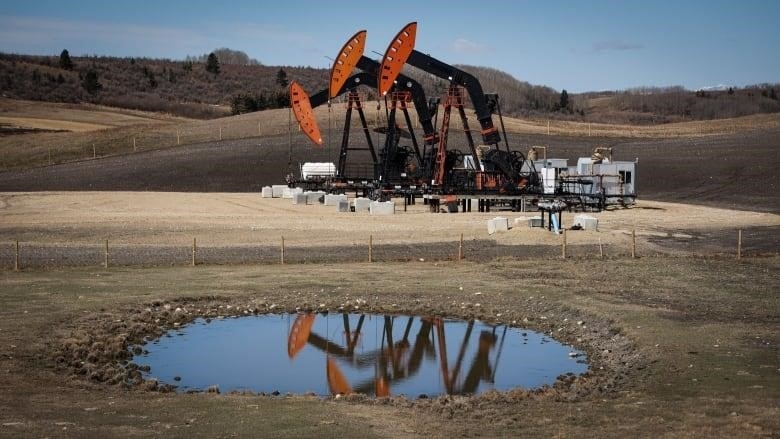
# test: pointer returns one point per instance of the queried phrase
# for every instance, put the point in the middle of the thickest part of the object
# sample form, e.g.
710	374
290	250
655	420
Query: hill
188	89
183	88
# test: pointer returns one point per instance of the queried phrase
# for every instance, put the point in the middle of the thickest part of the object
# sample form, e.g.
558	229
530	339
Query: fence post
105	255
134	148
460	248
548	127
259	128
739	244
370	248
194	251
94	151
633	243
563	246
16	259
178	139
220	132
282	250
601	249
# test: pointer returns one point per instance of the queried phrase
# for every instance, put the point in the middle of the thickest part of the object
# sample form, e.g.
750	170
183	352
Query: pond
376	355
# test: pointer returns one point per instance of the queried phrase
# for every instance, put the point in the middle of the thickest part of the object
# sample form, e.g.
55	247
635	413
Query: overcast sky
576	45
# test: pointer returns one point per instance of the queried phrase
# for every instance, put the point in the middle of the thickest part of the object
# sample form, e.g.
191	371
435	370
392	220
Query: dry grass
125	131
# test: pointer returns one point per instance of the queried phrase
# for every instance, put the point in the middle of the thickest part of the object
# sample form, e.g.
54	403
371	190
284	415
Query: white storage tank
317	169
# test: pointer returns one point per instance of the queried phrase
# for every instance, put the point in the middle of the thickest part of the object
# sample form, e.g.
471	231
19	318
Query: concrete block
290	192
586	221
382	208
361	204
343	206
278	190
300	198
535	221
314	196
333	200
267	192
497	224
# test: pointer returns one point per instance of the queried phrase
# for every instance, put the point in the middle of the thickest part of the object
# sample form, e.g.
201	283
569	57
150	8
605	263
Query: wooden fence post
16	258
563	246
601	249
370	248
134	148
178	139
739	244
105	255
220	132
633	243
460	248
94	151
282	250
194	251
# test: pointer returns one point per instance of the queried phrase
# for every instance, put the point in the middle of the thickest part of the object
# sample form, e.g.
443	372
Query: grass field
682	341
698	356
102	131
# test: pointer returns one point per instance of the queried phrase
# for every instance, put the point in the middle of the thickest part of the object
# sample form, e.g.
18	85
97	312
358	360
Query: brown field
682	341
129	131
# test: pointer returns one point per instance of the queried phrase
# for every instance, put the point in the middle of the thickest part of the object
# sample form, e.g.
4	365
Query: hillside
186	88
183	88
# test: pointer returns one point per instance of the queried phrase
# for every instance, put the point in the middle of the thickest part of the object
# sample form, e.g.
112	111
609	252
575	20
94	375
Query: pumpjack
431	169
395	164
496	170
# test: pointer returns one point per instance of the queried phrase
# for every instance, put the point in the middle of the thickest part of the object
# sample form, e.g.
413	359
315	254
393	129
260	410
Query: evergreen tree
281	78
212	64
564	104
65	61
91	83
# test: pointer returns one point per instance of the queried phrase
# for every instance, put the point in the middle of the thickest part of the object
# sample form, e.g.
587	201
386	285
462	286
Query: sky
579	46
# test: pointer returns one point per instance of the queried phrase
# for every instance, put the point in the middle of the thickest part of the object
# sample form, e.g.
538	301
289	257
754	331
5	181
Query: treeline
677	103
189	88
227	81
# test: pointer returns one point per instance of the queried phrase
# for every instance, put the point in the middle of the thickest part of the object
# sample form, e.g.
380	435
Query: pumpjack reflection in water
397	361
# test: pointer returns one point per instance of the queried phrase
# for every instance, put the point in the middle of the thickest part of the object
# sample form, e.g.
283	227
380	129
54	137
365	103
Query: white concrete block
586	221
497	224
382	208
333	200
343	206
278	190
535	221
300	198
290	192
314	196
267	192
361	204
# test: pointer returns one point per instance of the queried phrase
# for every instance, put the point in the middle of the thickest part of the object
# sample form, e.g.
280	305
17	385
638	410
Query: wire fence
38	255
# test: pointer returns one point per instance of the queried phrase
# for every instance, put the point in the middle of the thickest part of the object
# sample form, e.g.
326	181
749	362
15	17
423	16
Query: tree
212	64
281	78
564	103
65	61
91	83
772	94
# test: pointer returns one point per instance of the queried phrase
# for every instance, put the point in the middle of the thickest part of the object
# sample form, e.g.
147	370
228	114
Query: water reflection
359	353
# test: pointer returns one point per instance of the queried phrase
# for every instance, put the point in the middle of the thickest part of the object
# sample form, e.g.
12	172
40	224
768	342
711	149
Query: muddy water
356	353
